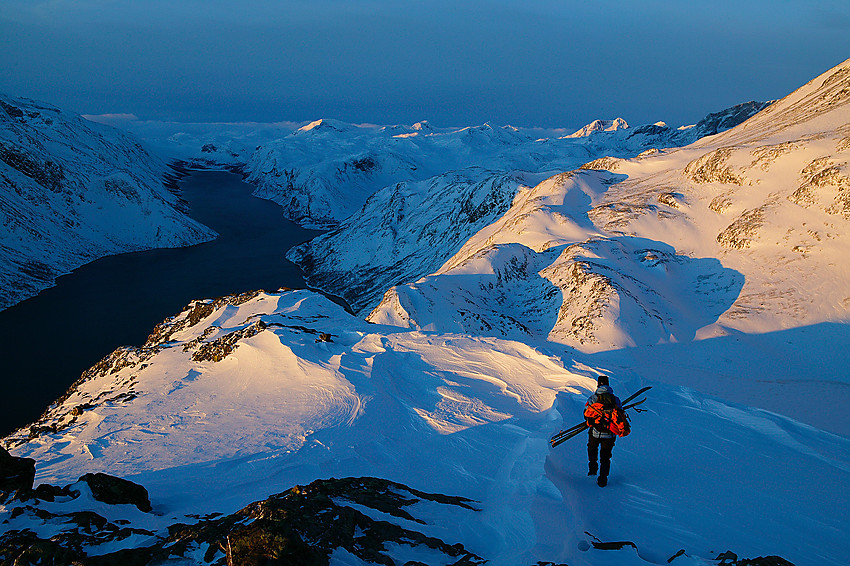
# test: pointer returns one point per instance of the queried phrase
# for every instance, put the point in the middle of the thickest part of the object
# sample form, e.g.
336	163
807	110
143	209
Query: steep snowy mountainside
817	106
408	229
717	122
322	175
668	246
245	396
405	231
72	191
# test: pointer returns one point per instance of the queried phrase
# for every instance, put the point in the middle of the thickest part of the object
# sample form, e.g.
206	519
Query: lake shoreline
48	341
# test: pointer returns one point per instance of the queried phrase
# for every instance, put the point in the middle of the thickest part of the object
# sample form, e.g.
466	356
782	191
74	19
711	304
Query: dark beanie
602	380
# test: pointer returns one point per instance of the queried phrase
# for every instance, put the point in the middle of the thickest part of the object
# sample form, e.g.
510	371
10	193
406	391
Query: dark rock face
307	523
16	474
729	558
116	491
303	525
729	118
48	174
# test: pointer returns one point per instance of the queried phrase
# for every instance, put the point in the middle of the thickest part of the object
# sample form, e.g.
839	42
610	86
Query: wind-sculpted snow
72	191
543	272
316	393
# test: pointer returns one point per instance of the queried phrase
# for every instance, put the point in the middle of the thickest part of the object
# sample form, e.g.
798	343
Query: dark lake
47	341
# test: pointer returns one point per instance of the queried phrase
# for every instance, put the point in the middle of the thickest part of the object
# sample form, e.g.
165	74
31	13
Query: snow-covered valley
499	281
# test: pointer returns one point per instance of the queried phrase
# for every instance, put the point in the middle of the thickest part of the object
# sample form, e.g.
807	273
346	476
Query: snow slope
404	231
72	191
408	229
742	231
241	397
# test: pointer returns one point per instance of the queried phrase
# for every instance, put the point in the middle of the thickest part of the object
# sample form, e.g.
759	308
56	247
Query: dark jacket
593	399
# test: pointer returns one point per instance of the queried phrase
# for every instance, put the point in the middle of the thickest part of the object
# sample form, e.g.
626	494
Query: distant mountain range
108	190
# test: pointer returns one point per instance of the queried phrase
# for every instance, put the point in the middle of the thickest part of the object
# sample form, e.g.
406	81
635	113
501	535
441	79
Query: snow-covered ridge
408	229
668	246
72	191
600	126
245	396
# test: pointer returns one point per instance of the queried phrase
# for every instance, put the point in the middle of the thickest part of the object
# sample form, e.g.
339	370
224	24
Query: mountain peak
600	126
323	125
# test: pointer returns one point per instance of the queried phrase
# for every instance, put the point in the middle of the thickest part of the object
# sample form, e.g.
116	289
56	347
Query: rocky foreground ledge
102	520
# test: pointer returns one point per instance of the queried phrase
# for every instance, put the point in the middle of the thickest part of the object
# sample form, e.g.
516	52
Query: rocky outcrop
194	313
741	233
16	474
603	163
713	167
824	181
303	525
117	491
306	524
367	518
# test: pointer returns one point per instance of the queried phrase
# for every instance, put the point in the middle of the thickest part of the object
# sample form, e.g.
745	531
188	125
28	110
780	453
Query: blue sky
548	63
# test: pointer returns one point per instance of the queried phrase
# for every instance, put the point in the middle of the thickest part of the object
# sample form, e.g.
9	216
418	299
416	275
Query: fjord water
47	341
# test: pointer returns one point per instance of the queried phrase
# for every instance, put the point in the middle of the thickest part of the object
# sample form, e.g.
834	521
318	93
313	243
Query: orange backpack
605	416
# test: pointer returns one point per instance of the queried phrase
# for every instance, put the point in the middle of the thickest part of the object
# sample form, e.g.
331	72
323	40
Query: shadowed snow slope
241	397
72	191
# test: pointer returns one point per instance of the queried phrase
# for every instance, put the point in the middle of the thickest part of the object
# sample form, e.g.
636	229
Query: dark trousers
605	447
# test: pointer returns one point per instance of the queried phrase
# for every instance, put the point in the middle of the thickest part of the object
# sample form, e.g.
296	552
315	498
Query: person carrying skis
606	419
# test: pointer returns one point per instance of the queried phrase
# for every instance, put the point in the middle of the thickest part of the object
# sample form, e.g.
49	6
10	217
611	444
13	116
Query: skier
601	409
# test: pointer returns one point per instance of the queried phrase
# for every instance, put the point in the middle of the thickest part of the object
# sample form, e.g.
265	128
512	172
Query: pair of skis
567	434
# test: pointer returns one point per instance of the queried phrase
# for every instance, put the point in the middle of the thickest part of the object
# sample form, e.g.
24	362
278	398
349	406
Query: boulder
15	473
116	491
